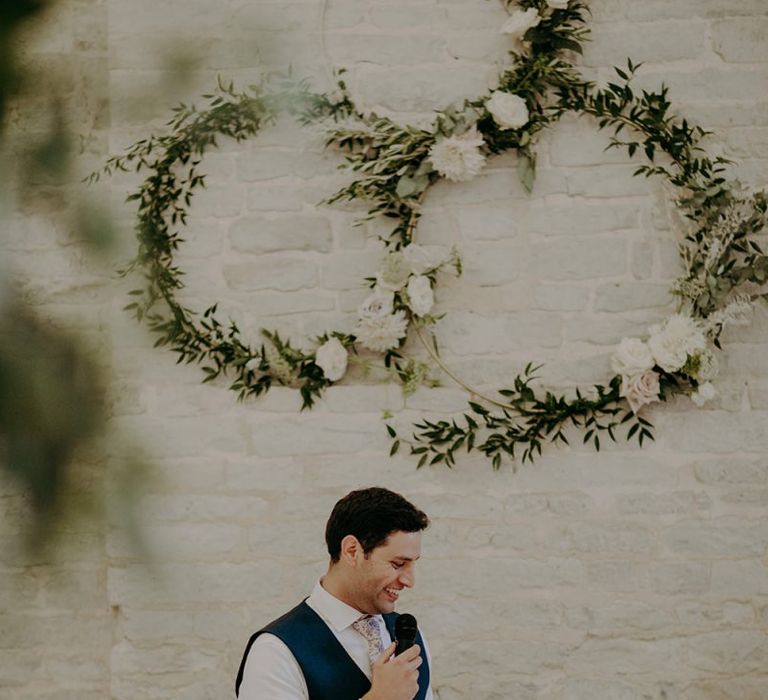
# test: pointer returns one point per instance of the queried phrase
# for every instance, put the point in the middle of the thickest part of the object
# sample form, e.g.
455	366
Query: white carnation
632	356
394	272
640	389
520	22
705	392
508	111
331	357
420	295
459	158
381	333
379	303
672	341
419	259
557	4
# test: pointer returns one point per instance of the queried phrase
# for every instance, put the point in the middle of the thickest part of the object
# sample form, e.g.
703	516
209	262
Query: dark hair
371	515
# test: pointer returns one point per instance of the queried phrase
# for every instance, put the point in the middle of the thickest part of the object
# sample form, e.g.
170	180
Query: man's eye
397	565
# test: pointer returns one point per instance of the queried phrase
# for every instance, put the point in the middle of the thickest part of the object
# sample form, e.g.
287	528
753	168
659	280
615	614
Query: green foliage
173	162
51	404
726	265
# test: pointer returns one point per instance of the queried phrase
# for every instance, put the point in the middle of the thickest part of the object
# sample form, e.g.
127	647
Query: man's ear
351	550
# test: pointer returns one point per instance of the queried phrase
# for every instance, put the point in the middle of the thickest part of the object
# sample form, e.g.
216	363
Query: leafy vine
394	165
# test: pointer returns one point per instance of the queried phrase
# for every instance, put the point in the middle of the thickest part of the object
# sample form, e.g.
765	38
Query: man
337	644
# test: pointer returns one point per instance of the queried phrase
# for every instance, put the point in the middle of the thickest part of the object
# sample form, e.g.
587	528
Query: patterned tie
369	627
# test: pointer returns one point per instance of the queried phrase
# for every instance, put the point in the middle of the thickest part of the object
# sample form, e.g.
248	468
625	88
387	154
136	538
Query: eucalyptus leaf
526	172
408	186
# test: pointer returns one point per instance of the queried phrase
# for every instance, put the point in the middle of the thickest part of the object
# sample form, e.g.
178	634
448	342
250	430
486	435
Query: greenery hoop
725	265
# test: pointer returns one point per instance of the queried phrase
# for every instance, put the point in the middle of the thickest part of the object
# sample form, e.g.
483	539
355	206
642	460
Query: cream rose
420	295
459	158
508	111
672	341
331	357
520	22
632	356
640	389
419	259
394	272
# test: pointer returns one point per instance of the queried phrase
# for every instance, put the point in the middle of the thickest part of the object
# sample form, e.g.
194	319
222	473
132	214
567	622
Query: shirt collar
336	612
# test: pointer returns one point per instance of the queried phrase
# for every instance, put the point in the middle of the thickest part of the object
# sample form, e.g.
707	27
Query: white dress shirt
272	672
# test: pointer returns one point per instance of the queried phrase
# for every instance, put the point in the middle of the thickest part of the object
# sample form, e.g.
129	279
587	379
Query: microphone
405	632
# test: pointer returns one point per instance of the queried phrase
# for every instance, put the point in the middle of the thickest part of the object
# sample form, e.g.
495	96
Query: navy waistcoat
328	670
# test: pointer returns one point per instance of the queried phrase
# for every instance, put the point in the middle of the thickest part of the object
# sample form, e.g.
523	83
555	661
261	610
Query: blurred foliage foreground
53	405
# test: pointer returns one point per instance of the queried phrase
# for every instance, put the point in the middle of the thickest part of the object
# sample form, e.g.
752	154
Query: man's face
385	571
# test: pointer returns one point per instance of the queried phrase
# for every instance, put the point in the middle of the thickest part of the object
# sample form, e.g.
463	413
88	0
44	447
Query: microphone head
405	632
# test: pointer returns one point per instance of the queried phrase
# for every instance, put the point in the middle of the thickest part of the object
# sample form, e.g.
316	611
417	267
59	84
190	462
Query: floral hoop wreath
725	267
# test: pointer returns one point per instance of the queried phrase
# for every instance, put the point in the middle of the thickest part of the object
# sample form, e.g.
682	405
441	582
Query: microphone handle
404	643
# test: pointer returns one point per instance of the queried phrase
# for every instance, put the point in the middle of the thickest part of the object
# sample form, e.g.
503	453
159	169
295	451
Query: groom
337	644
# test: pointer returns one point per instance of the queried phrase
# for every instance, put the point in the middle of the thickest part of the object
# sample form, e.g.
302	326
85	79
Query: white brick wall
624	575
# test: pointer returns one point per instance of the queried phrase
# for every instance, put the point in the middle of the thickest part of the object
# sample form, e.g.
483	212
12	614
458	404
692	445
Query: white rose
520	22
331	357
381	333
378	303
420	295
419	259
705	392
668	352
632	356
687	330
557	4
253	364
459	158
508	111
394	272
674	340
640	389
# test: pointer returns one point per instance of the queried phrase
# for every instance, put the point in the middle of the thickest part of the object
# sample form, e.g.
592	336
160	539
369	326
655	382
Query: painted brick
623	575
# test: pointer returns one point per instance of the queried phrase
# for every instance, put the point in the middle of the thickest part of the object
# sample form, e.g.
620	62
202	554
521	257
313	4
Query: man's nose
407	577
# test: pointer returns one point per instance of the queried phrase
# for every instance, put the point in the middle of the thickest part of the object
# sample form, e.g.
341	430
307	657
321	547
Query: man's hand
395	678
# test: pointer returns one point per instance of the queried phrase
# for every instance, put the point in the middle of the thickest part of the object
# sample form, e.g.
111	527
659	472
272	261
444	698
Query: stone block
704	614
217	200
723	537
731	470
493	266
631	296
617	575
272	271
578	218
728	651
459	332
561	297
740	40
614	538
660	42
680	578
256	235
577	259
617	616
641	260
676	503
628	656
739	578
